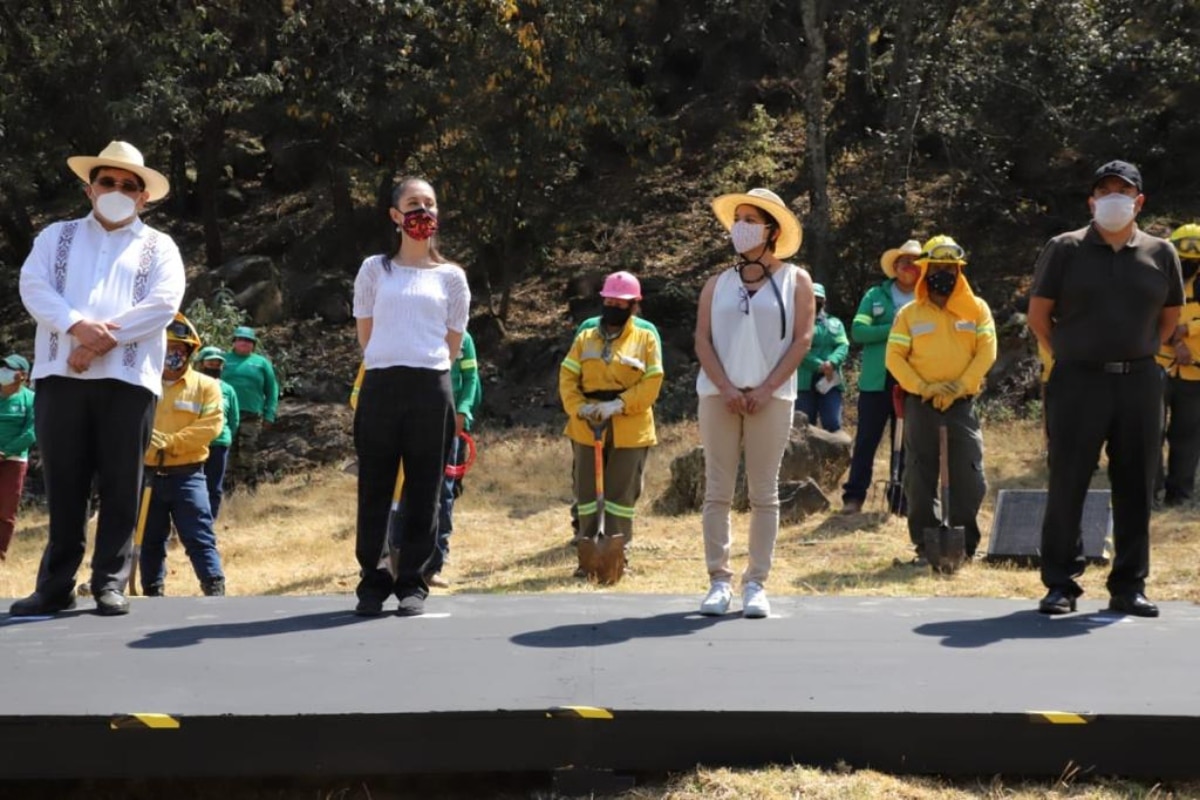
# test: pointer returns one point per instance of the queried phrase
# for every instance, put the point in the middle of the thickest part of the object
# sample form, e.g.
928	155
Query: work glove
589	412
160	440
951	389
609	408
943	401
927	390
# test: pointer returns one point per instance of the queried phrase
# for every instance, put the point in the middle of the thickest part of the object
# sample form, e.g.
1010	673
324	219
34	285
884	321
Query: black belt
178	469
604	394
1114	367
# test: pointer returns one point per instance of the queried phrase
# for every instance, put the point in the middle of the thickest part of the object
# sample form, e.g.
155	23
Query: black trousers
86	429
1183	439
1086	408
404	414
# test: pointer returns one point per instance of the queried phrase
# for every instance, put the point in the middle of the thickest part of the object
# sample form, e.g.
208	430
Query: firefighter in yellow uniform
188	417
608	383
1180	357
939	350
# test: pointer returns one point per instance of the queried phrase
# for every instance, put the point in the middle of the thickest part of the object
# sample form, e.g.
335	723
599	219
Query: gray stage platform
299	686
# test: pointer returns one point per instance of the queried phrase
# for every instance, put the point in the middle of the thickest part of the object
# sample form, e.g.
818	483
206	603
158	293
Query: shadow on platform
968	633
615	631
195	634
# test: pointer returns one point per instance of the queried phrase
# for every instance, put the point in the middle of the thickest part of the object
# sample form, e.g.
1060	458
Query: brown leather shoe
437	581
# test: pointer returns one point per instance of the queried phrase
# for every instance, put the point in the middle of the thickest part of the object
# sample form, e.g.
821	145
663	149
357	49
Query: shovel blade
946	548
602	558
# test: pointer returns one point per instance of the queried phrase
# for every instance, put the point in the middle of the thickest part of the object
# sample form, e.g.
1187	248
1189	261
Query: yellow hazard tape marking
142	721
582	712
1061	717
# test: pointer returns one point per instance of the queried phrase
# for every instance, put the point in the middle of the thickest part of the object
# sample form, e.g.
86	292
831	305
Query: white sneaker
717	601
754	601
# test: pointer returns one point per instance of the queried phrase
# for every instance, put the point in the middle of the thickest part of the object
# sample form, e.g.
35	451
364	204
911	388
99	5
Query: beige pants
763	436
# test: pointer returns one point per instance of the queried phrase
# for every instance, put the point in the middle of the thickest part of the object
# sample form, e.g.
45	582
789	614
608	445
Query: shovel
140	532
894	492
602	557
389	559
945	546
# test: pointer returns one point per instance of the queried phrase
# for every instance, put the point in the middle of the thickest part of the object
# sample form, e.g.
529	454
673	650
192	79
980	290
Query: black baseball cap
1121	169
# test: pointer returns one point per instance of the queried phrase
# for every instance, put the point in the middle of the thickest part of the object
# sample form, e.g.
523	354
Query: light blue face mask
7	376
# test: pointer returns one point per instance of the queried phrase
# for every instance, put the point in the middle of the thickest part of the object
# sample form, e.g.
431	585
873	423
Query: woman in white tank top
754	325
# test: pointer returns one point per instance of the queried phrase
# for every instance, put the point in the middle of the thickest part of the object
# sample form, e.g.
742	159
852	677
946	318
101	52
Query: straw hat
910	248
122	155
790	232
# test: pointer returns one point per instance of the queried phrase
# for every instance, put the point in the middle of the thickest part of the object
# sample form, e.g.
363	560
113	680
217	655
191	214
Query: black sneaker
37	605
369	607
411	605
111	603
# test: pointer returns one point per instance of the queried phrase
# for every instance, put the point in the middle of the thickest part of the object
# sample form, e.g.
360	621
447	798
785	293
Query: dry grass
296	537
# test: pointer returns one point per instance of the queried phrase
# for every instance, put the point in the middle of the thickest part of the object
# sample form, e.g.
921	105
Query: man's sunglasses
1189	245
126	186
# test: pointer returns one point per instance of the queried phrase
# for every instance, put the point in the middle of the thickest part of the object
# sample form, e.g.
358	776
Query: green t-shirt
16	424
253	378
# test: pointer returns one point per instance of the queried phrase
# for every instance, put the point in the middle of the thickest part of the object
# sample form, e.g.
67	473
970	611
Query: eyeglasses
1188	245
944	252
126	186
743	300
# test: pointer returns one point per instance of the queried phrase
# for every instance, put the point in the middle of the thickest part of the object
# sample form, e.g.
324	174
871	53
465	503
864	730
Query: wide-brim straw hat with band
122	155
888	261
790	232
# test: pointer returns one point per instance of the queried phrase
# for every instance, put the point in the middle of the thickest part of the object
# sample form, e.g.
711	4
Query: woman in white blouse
754	324
411	308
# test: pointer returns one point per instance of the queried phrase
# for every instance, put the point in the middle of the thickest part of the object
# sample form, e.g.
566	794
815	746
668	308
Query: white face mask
116	207
747	235
1113	211
7	376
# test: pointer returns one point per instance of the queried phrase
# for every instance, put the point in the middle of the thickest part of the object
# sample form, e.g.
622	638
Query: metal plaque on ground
1017	526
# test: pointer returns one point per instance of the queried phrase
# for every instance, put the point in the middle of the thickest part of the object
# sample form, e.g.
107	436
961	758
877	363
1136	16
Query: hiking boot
213	587
852	505
369	607
411	605
111	603
754	601
717	601
38	605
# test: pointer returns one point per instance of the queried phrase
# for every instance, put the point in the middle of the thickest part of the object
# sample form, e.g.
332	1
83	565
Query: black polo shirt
1107	303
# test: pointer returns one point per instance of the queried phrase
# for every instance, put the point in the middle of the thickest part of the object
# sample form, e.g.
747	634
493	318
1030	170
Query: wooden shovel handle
944	458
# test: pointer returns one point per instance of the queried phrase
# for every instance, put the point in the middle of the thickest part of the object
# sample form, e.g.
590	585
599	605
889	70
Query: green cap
818	291
17	362
210	352
244	332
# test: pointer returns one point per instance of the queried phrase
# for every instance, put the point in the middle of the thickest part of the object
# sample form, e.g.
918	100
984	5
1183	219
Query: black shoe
411	605
37	605
213	587
369	607
1134	604
1057	601
111	603
154	590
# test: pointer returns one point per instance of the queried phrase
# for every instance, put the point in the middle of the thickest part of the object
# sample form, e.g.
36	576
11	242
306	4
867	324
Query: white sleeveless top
748	344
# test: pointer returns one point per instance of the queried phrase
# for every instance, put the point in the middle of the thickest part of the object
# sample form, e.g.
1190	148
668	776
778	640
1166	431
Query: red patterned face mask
419	224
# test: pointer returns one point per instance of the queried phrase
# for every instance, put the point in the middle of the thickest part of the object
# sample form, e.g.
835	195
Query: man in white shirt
102	289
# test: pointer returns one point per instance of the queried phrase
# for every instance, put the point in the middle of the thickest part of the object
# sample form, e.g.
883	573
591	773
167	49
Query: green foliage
754	163
215	322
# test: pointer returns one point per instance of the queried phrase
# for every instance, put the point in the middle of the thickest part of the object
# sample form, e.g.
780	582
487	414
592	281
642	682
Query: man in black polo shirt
1105	298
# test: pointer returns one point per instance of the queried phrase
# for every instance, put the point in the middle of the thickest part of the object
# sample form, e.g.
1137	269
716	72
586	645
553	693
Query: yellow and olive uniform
190	415
1182	402
627	367
929	347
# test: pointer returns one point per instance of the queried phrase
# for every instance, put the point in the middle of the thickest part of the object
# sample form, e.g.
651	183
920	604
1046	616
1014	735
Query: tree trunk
339	188
860	106
900	100
178	171
816	241
208	174
15	221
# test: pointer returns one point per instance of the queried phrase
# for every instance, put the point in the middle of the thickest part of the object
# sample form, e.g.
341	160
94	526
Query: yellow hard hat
182	330
942	248
1186	239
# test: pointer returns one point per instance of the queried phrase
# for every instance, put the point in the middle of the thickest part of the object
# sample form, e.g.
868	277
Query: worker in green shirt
212	363
253	379
16	437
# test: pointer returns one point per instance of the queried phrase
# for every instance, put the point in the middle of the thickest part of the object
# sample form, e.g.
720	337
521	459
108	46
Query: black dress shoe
111	603
1057	601
1134	604
411	605
38	605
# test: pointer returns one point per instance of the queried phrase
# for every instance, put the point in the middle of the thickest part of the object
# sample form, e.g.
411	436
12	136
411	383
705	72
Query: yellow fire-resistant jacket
190	413
929	344
632	369
1188	315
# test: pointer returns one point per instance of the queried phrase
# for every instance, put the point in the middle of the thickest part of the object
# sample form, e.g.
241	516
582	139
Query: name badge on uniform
964	325
185	405
922	328
877	310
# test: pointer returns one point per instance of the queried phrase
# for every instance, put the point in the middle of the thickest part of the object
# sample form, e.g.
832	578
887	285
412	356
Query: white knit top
412	309
745	331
